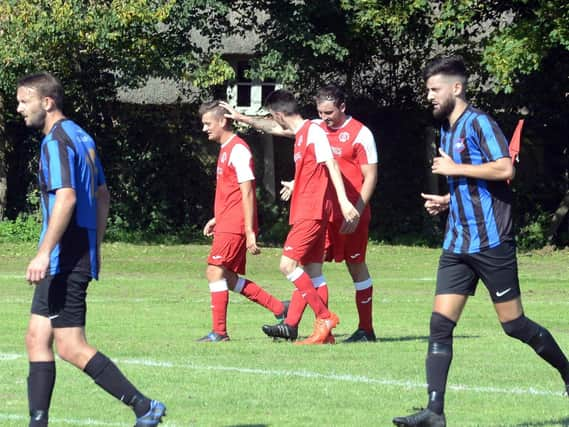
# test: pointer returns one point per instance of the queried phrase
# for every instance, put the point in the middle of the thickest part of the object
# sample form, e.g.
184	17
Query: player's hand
286	190
232	113
37	268
251	242
435	204
349	227
209	227
444	165
351	217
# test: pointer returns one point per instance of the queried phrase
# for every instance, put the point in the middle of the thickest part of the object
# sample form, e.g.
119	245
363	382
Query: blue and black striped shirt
69	159
480	211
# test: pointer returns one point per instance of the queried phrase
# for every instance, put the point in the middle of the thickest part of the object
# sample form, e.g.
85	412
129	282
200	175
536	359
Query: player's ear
457	88
225	122
48	104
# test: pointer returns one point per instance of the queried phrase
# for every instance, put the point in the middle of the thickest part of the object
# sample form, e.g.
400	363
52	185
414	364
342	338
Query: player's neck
295	122
51	119
341	122
459	108
226	137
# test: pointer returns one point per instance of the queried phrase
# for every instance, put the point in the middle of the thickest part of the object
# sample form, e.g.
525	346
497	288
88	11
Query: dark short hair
282	101
212	107
446	65
46	85
332	93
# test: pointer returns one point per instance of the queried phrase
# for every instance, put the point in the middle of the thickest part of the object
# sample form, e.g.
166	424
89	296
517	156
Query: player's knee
213	273
441	328
287	266
358	271
67	352
71	347
32	340
522	329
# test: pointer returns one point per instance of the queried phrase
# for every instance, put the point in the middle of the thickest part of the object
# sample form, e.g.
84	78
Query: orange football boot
322	329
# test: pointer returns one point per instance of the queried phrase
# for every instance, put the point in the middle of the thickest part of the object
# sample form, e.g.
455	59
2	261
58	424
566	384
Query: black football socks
41	380
106	374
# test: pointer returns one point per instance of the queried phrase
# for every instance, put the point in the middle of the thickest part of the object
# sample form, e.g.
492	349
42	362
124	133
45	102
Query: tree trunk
3	164
269	164
558	216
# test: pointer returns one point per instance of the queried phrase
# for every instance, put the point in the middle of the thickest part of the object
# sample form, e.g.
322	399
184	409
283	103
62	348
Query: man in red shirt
234	225
310	209
354	149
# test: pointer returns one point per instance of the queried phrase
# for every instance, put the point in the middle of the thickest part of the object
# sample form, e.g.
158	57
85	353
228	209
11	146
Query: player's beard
445	108
37	119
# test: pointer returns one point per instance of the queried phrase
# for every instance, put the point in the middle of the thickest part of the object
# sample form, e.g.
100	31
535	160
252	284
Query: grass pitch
152	302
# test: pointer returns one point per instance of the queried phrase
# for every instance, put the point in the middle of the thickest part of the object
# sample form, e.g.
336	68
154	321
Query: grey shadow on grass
248	425
561	422
420	338
342	337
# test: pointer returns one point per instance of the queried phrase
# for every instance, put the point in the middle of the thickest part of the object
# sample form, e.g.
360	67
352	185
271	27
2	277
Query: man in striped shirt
75	205
479	241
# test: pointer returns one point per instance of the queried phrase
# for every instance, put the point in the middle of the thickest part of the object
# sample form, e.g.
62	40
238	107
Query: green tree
95	47
376	49
365	42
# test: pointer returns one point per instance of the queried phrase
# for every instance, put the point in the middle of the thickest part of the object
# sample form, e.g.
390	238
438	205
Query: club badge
459	145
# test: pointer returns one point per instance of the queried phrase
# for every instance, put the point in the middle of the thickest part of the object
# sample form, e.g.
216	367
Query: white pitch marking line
73	422
338	377
309	374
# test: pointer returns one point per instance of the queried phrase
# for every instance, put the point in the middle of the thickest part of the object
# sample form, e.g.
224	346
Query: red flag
515	142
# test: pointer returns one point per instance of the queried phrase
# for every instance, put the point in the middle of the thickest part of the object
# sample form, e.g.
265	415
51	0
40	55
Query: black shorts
496	267
62	298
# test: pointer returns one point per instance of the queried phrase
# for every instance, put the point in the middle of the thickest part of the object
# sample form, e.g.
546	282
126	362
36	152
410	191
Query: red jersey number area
229	250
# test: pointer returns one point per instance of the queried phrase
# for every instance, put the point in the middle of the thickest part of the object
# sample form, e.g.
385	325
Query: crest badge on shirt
223	157
300	140
459	145
344	136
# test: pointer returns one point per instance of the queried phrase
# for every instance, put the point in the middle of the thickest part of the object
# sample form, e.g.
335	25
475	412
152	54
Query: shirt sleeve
365	148
493	143
60	162
240	159
322	150
101	180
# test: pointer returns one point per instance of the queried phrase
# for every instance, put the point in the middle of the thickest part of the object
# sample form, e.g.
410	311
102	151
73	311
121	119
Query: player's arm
240	158
260	123
350	213
497	170
435	204
64	205
286	190
209	227
103	203
248	199
369	173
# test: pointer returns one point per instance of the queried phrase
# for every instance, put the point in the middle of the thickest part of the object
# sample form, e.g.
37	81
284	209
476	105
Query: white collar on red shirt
227	142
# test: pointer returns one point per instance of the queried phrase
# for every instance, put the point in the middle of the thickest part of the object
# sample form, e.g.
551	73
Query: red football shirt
234	166
353	145
311	180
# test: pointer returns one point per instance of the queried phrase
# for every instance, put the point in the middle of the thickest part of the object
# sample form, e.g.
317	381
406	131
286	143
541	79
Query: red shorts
347	247
230	251
305	241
